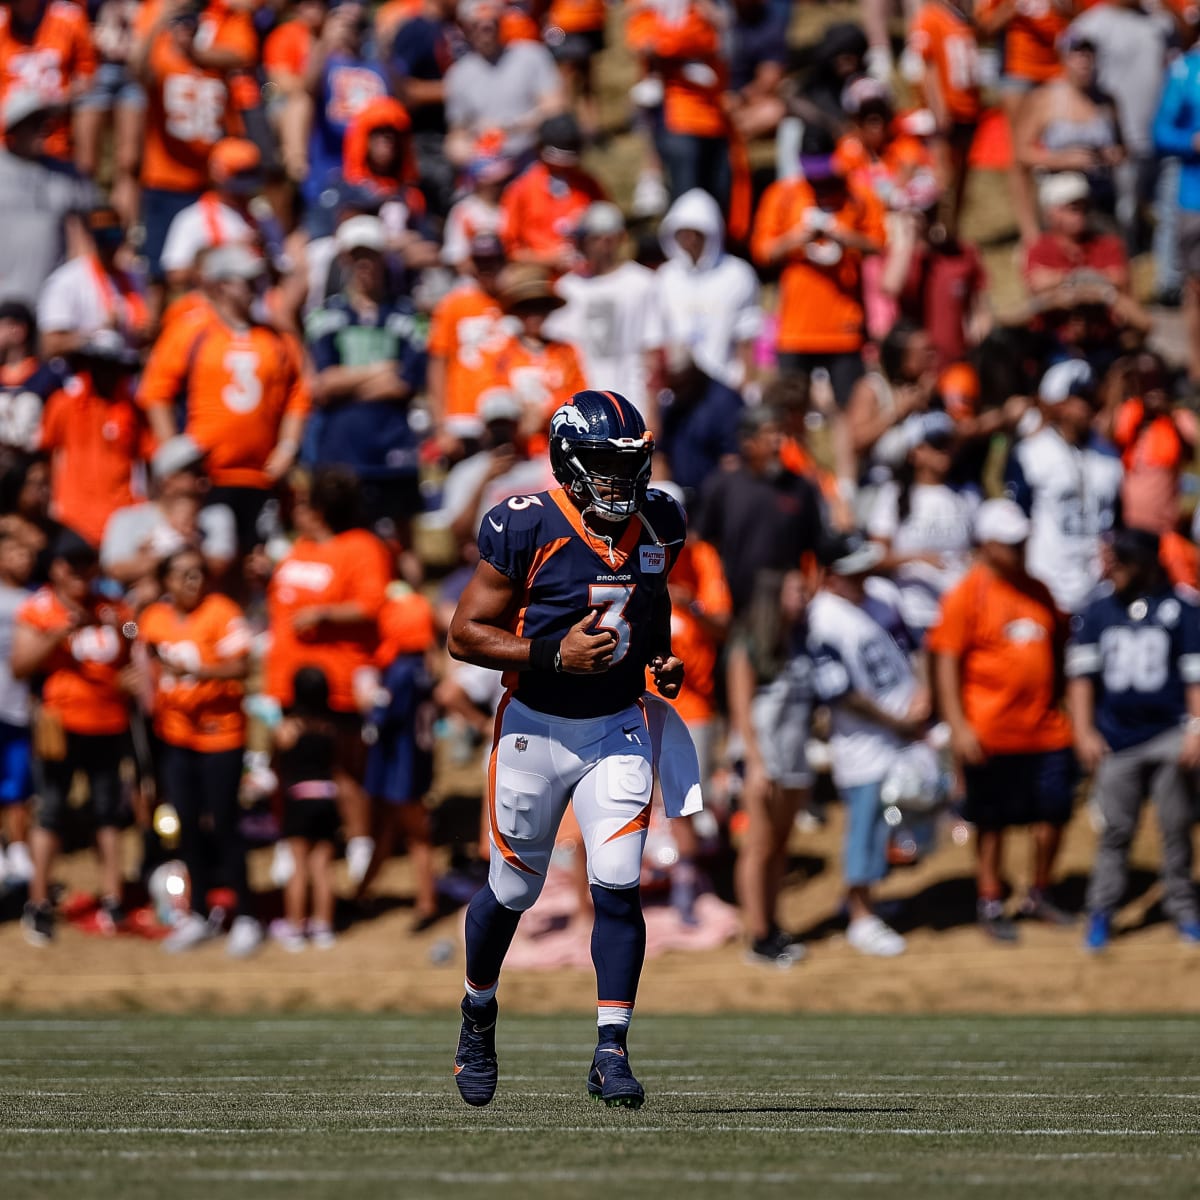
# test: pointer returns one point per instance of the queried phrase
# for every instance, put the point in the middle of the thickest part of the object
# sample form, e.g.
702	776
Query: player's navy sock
490	930
618	949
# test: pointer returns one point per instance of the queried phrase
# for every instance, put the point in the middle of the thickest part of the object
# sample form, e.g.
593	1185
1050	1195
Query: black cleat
37	924
610	1080
475	1067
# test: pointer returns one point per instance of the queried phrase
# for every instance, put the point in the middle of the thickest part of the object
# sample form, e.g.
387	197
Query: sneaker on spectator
110	916
245	936
1099	932
1189	932
994	922
777	949
37	924
358	857
283	865
18	864
191	931
869	935
1037	906
321	935
288	936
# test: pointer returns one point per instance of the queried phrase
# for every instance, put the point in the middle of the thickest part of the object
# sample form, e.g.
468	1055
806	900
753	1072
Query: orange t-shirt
406	626
698	568
542	376
688	53
1030	38
946	43
351	567
466	325
820	303
198	714
578	16
81	675
1009	642
539	214
239	387
287	48
1154	453
93	444
60	57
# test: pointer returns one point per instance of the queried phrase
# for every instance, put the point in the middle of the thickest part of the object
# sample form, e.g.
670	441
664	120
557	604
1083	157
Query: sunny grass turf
352	1106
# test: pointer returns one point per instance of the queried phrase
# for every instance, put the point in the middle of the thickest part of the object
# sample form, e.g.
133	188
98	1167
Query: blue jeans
696	162
864	847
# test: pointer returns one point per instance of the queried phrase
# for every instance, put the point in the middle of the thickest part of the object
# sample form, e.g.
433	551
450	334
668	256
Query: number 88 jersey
562	569
1141	654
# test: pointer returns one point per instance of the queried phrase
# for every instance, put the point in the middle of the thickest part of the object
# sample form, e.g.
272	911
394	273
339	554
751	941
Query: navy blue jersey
347	84
562	569
1140	657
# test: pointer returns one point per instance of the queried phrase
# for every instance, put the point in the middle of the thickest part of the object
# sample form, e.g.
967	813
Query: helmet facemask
612	478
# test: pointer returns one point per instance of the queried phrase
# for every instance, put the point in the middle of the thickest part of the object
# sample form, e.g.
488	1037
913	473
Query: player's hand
1090	748
966	746
668	675
1189	755
587	651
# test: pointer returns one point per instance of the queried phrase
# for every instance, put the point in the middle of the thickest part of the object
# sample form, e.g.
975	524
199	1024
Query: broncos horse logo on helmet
600	452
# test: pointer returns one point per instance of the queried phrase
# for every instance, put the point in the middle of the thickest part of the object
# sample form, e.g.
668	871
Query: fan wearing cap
1068	479
246	400
510	86
541	208
1133	669
612	316
924	522
477	214
862	669
370	362
94	434
466	325
93	291
26	383
997	665
75	642
47	46
220	216
139	537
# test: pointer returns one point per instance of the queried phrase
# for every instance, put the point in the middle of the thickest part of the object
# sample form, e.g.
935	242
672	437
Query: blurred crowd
290	288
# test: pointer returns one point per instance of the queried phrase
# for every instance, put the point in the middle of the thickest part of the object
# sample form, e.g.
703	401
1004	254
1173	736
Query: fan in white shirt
611	316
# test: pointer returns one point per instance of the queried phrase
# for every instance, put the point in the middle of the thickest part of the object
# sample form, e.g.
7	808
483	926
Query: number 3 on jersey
243	393
611	600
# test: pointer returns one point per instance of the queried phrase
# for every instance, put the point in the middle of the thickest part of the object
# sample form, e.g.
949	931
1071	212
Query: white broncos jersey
1071	495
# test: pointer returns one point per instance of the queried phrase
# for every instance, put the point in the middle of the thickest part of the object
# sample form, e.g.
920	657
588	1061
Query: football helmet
600	451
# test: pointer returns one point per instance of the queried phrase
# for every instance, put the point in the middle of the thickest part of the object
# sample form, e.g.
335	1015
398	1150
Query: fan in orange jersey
467	324
539	371
200	645
242	385
47	48
94	435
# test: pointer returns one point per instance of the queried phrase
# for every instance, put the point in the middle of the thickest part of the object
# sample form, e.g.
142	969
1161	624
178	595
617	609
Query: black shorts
247	505
844	369
312	820
1022	789
97	756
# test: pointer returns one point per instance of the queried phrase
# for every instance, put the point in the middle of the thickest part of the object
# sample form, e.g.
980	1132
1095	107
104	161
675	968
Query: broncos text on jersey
563	568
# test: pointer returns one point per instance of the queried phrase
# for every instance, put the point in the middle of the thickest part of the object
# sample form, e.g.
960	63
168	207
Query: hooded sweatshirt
710	306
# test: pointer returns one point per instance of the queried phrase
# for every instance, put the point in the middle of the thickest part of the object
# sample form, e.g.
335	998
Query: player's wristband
543	654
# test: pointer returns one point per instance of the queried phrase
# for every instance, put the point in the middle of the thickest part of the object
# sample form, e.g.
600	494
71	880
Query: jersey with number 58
562	569
1140	655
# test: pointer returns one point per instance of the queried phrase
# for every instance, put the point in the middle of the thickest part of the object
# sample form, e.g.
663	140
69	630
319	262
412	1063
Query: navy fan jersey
562	569
1140	656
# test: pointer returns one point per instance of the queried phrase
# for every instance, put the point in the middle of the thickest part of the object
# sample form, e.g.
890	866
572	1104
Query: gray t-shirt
36	195
14	693
132	527
485	95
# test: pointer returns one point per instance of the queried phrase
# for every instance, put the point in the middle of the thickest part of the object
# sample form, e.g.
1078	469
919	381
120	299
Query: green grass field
348	1107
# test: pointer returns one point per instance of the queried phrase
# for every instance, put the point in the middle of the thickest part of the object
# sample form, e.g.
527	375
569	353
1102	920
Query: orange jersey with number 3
239	387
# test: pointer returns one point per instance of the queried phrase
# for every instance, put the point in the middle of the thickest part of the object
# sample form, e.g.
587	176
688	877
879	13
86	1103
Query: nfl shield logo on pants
522	742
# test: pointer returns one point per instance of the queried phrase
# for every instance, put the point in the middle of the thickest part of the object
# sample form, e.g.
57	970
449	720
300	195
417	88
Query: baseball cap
1071	378
926	429
361	233
75	549
109	346
1001	521
523	283
174	455
1065	187
17	310
850	554
498	404
601	218
233	156
234	261
486	245
23	103
104	224
489	163
864	91
561	140
818	167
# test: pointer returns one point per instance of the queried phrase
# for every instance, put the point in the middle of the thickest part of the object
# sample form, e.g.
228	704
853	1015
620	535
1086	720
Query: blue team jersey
562	569
1140	656
347	84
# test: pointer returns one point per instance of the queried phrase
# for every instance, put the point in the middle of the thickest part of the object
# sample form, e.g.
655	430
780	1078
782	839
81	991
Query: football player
570	600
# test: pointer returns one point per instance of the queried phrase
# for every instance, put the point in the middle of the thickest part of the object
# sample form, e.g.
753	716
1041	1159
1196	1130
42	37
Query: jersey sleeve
163	378
508	541
53	421
1083	658
1016	486
831	678
712	591
441	328
951	630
